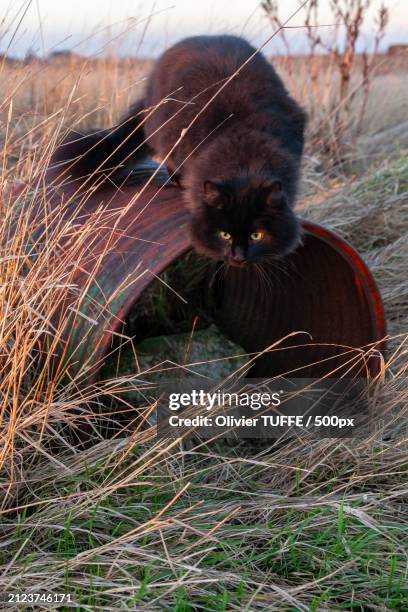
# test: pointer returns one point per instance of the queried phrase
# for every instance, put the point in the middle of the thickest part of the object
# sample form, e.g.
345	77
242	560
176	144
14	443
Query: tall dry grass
135	523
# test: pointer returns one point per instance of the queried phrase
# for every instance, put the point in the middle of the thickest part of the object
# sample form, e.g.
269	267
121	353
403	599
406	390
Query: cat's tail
98	156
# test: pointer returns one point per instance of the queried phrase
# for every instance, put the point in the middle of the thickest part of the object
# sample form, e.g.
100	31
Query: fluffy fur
237	156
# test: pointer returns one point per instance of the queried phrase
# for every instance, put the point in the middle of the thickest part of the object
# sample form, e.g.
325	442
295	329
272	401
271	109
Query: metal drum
321	300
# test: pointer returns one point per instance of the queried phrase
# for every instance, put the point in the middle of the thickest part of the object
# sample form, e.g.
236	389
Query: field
132	523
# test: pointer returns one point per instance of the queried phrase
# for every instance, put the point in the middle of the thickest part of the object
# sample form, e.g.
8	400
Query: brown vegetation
131	522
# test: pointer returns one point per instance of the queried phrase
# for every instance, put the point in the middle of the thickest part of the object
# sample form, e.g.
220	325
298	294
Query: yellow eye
225	236
255	236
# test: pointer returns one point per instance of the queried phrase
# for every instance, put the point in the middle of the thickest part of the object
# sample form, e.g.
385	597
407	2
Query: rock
209	353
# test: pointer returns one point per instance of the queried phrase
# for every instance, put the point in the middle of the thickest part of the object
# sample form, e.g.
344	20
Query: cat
236	156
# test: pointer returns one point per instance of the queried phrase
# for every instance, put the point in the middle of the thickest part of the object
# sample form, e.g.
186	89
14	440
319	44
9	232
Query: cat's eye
225	235
255	236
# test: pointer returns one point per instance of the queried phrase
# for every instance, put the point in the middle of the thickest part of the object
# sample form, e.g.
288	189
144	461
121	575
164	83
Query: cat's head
241	224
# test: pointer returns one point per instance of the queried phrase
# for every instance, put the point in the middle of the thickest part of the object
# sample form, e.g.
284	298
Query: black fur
247	142
97	155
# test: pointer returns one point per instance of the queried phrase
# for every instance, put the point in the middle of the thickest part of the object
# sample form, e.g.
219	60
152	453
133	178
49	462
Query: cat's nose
238	258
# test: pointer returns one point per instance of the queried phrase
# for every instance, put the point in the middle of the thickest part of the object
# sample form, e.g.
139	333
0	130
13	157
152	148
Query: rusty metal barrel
321	312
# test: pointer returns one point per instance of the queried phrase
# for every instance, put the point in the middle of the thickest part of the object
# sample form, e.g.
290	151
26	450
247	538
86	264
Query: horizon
130	31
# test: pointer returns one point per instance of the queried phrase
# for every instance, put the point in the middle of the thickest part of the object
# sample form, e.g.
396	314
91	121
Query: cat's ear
273	191
212	193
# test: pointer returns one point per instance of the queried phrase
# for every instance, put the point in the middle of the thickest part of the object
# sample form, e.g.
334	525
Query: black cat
234	145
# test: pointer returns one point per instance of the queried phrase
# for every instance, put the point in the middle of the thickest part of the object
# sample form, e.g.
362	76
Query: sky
146	28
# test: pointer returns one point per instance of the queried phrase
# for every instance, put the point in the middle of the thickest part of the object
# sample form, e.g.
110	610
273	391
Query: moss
173	301
171	329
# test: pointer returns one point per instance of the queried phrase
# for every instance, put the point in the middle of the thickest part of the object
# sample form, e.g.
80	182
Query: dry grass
135	524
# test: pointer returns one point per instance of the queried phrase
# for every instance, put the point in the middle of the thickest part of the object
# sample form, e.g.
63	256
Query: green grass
131	523
341	544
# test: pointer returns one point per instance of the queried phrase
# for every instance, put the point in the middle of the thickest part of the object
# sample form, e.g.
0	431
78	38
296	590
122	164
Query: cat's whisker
281	265
275	276
269	281
258	277
218	270
292	271
265	282
225	268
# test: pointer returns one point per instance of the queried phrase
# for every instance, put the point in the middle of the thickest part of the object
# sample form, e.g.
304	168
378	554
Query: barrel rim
340	245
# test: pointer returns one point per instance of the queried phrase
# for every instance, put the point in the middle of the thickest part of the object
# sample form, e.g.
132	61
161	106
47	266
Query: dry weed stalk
133	523
339	126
